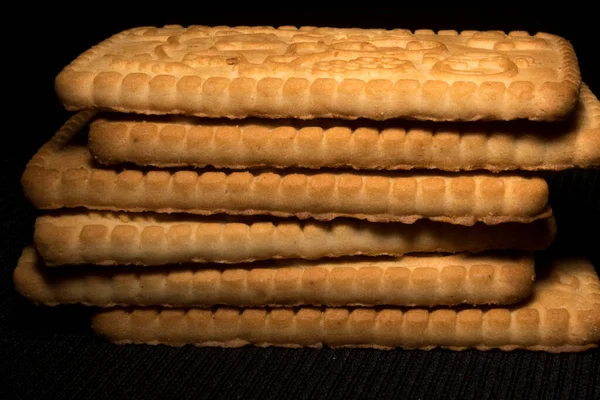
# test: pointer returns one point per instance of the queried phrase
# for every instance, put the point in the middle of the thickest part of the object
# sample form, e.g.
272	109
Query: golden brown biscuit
419	280
157	239
174	141
310	72
63	174
561	316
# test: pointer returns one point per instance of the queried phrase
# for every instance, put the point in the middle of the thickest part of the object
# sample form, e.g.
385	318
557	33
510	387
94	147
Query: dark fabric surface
52	353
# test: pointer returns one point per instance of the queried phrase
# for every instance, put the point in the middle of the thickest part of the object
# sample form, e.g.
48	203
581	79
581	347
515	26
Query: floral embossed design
361	64
481	64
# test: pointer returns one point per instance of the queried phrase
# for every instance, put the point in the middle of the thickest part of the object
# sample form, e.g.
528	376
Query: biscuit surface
561	316
155	239
311	72
63	174
422	280
175	141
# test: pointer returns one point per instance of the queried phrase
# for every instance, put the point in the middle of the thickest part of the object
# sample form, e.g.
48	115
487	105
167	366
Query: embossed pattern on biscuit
561	316
156	239
365	145
309	72
422	280
62	175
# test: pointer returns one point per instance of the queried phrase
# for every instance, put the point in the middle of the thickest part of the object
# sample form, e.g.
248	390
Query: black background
51	353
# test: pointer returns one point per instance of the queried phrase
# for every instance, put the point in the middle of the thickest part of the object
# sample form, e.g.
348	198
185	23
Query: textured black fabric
52	353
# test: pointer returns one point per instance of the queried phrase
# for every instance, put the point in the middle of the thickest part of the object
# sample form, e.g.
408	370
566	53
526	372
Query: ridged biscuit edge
420	280
121	238
78	88
195	142
571	324
56	179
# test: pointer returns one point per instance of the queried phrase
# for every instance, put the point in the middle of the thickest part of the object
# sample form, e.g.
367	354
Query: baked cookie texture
310	72
183	142
107	238
375	206
64	175
501	277
561	316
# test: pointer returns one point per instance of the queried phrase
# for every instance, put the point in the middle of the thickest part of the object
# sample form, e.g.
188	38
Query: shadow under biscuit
29	318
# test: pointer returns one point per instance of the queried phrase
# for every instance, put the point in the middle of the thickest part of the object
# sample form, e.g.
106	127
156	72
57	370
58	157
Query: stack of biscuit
301	187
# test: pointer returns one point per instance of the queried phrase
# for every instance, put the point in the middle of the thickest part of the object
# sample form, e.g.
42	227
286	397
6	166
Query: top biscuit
309	72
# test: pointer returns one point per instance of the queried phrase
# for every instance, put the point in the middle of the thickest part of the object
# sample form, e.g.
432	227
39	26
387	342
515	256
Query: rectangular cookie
561	316
175	141
63	174
312	72
419	280
158	239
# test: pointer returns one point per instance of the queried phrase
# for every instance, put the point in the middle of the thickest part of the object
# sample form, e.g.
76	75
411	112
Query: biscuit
157	239
561	316
422	280
175	141
310	72
62	174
